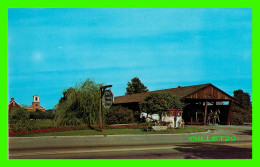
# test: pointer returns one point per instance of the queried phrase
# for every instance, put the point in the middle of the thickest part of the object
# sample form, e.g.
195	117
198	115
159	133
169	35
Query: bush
237	119
19	120
148	128
38	114
239	116
137	115
18	114
119	115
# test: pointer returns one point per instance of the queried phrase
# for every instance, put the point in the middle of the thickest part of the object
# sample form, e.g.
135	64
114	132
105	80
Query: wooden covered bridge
200	100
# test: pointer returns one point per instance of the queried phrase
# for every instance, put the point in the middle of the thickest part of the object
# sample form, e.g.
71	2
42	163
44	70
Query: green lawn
44	123
186	129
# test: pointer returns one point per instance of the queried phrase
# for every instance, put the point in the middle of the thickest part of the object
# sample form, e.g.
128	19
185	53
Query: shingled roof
180	92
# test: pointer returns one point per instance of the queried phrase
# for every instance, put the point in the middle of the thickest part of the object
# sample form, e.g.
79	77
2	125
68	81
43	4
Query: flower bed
53	129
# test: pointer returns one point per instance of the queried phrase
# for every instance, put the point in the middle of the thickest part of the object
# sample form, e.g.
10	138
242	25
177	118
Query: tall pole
100	109
101	92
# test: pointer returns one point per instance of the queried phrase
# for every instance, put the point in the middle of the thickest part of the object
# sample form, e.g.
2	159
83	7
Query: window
36	98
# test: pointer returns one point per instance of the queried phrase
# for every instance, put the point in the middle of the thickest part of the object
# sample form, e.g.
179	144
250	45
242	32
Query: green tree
158	103
242	110
135	86
242	99
79	105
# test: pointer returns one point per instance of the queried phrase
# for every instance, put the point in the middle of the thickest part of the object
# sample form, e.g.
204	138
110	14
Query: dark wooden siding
209	92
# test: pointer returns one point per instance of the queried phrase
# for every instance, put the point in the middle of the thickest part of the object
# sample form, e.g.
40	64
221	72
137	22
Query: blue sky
53	49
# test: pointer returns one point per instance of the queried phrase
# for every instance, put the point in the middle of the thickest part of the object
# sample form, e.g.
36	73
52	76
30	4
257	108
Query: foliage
19	120
38	114
148	128
79	105
158	103
137	117
18	114
242	110
49	114
236	119
119	115
242	99
135	86
240	116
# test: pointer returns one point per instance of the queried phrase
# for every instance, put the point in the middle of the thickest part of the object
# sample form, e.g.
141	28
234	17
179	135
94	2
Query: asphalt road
175	146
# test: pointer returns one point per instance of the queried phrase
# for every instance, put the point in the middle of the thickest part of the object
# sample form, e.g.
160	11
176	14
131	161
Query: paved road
177	146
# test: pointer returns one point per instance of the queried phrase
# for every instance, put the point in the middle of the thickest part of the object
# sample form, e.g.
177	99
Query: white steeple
36	98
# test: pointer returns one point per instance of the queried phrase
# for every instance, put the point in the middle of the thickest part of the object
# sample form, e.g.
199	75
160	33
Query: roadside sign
107	99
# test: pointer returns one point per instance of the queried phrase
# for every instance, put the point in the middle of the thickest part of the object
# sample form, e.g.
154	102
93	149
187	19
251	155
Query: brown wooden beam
230	113
205	116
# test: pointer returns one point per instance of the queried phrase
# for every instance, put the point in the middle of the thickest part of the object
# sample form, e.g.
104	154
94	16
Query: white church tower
35	104
36	98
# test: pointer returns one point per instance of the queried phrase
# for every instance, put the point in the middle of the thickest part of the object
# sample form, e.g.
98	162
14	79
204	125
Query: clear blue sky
53	49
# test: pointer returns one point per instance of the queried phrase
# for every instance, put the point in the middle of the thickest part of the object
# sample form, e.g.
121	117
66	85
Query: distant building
13	104
35	104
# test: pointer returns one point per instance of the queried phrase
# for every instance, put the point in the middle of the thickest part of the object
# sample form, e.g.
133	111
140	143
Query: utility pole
101	93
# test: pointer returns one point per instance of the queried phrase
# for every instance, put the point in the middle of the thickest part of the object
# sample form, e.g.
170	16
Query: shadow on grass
92	128
213	151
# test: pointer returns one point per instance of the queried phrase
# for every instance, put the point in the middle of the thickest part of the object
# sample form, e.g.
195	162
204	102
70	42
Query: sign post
108	98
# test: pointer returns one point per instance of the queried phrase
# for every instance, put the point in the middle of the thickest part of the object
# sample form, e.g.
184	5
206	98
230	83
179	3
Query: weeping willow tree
79	105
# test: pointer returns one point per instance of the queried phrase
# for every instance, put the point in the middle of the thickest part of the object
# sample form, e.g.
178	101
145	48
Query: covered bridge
199	100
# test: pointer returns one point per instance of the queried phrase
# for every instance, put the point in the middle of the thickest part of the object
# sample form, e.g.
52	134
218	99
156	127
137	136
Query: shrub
38	114
148	128
237	119
119	115
19	120
137	117
239	115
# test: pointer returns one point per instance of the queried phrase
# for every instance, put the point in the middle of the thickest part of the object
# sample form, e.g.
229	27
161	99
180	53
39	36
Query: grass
44	123
186	129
